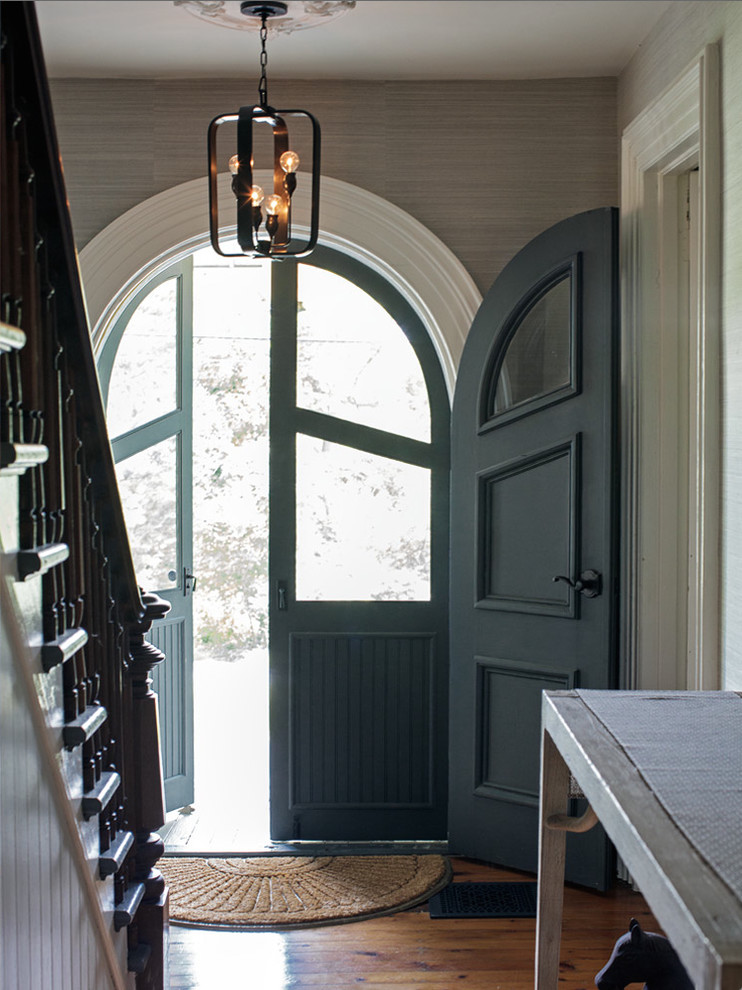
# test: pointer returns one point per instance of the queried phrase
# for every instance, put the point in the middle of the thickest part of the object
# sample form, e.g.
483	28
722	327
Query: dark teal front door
534	512
146	380
358	560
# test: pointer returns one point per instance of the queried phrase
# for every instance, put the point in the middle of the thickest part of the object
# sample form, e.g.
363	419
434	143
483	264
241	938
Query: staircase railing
72	538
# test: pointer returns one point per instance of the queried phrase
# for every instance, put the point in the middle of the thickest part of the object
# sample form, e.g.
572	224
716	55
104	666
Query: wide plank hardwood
409	950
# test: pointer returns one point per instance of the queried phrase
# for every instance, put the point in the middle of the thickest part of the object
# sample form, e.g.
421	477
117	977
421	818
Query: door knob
589	583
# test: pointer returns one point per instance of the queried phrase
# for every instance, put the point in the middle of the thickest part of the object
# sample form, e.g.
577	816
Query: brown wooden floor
408	951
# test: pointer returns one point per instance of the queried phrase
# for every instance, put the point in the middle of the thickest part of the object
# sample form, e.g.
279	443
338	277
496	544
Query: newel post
147	794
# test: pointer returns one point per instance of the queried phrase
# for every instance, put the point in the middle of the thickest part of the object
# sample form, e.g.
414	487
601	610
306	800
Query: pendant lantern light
264	228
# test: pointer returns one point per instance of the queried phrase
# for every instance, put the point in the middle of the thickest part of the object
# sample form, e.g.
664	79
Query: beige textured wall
503	160
678	37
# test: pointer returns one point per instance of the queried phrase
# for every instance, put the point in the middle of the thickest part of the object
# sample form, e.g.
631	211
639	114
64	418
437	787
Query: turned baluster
53	470
31	488
75	516
11	261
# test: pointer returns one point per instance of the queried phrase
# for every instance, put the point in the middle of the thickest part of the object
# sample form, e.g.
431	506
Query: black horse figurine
640	955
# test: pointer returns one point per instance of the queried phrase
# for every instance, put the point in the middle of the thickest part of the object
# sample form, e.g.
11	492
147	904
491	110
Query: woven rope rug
273	892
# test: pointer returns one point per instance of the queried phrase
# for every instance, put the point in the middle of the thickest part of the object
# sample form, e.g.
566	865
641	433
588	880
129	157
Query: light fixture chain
263	84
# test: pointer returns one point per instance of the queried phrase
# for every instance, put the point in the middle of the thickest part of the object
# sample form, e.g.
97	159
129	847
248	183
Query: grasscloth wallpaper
501	161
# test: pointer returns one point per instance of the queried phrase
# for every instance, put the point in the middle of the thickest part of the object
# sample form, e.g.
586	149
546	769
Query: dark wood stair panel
60	650
16	458
112	859
94	801
39	560
78	731
11	338
123	913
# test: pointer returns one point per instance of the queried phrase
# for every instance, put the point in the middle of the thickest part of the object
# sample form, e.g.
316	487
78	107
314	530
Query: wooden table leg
552	846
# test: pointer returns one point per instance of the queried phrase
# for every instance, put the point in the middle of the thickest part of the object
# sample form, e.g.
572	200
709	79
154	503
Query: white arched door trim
158	231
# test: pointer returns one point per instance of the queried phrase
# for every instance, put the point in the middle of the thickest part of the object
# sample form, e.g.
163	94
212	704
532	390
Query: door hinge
281	590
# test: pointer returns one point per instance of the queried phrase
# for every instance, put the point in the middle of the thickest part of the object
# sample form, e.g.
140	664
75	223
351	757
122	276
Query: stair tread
36	561
80	729
95	800
60	650
137	959
15	458
11	338
112	859
124	911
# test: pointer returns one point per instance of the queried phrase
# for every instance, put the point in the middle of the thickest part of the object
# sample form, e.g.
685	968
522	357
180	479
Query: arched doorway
358	540
141	244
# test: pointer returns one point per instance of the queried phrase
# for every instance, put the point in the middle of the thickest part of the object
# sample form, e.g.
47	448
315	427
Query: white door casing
670	389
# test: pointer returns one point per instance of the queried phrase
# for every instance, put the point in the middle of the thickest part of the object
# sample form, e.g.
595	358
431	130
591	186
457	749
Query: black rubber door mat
485	900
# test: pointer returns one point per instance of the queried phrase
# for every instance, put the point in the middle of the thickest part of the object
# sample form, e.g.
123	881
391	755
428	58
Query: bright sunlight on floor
231	758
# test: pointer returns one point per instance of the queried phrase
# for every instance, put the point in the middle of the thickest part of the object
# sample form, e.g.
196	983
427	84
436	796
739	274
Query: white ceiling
379	39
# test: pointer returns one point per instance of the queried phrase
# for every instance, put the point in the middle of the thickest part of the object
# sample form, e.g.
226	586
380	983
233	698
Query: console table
662	772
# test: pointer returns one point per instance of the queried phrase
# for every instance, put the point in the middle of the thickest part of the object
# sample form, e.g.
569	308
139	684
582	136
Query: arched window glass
189	376
538	365
142	390
353	361
152	512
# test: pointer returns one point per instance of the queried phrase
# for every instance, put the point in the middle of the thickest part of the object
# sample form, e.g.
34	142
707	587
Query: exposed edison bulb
273	205
289	161
234	164
256	195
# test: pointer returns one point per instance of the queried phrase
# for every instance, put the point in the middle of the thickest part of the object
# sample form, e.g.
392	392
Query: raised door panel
528	531
372	696
174	689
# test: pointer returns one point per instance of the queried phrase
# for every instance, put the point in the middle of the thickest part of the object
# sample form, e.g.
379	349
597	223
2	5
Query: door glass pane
353	359
144	379
538	358
231	360
362	526
148	486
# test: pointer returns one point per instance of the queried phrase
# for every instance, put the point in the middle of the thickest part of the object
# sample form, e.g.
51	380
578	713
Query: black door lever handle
589	583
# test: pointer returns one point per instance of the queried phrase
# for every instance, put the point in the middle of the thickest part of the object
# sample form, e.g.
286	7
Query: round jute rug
270	892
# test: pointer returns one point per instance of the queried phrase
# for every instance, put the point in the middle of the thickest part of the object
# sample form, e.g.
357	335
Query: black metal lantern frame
264	221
